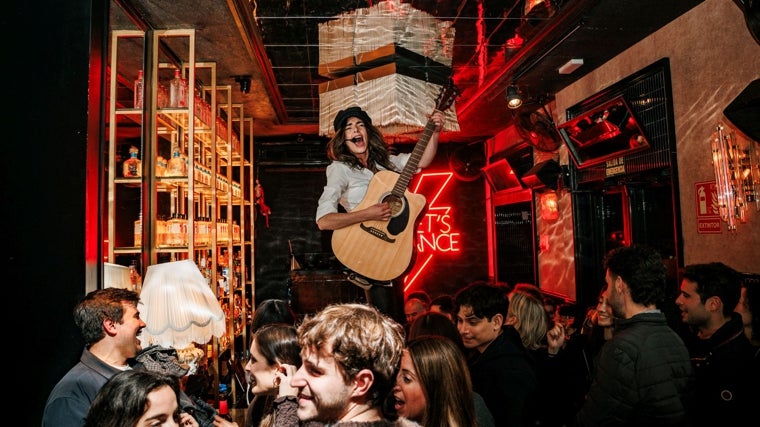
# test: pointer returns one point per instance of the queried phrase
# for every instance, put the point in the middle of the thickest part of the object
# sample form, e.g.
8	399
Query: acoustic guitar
382	250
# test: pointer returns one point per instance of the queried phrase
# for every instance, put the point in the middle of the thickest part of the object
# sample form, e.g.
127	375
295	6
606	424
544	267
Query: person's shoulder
336	165
338	168
70	399
634	342
405	422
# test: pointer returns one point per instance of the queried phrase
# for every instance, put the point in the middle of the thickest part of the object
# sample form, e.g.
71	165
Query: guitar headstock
446	96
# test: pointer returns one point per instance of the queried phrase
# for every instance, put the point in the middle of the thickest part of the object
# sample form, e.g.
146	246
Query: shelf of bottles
177	172
192	155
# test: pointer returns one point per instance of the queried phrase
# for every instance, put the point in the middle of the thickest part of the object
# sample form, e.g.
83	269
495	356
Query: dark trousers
388	299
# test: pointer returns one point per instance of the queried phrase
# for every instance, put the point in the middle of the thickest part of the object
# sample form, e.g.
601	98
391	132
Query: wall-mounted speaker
501	176
543	174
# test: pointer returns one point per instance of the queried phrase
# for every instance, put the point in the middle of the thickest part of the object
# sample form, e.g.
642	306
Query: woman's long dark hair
377	150
124	398
445	379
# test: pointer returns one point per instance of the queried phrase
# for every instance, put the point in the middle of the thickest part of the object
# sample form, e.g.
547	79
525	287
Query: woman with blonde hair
526	313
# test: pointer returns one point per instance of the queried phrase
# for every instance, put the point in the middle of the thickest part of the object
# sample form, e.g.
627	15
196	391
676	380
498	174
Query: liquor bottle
177	165
174	231
162	96
134	277
138	90
161	165
177	92
138	232
161	230
132	167
183	230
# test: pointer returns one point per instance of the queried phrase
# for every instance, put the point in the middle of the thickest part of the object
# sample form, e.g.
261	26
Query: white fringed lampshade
178	306
116	276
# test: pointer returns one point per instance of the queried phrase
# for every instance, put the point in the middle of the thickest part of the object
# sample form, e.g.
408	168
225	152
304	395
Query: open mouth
399	404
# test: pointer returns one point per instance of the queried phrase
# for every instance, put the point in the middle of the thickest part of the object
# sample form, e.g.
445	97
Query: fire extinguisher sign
708	215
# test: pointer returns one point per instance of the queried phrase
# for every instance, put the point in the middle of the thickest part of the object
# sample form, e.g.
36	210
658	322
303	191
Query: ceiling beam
254	44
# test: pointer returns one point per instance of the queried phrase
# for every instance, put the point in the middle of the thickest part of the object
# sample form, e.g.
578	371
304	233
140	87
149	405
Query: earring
276	382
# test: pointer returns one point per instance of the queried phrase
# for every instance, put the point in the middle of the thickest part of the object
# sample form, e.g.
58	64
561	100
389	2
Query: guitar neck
414	159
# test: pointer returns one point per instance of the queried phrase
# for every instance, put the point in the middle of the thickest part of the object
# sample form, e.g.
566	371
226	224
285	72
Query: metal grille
649	96
514	243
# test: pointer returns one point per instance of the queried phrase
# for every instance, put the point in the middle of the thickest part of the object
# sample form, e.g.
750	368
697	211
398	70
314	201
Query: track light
245	83
514	99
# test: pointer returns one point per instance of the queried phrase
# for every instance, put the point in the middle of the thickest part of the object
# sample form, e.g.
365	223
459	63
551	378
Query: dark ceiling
276	42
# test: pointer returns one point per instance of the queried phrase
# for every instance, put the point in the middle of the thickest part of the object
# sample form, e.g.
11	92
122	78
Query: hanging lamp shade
392	49
178	306
116	276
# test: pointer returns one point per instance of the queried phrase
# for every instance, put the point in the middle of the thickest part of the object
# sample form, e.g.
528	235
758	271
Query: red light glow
436	233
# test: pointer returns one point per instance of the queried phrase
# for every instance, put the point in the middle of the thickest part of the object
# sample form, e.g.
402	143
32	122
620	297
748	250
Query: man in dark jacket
500	368
644	372
722	356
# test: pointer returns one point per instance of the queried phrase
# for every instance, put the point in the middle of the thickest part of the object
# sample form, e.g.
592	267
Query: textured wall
712	58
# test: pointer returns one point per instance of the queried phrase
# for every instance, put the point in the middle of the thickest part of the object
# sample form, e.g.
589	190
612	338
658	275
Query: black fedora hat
343	115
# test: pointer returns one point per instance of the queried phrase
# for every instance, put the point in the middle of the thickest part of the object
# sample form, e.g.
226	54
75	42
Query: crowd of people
490	355
501	361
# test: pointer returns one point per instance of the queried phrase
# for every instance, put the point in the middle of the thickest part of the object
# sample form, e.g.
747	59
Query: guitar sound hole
396	204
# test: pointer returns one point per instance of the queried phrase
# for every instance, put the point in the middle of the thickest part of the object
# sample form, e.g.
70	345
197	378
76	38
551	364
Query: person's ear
714	303
619	284
497	320
363	382
109	326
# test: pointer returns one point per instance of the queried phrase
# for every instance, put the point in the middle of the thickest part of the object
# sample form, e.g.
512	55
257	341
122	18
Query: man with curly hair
351	354
644	374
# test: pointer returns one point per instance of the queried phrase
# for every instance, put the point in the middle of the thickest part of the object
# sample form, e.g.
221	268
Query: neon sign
435	233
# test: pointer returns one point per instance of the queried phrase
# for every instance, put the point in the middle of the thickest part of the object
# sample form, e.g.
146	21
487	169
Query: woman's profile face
603	311
408	392
162	408
355	134
262	373
744	311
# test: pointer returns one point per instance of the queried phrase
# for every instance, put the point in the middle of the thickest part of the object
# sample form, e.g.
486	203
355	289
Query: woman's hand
378	212
186	419
555	338
221	422
285	373
438	118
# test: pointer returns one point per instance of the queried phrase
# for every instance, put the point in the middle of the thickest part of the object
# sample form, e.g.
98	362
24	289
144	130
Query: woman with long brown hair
433	386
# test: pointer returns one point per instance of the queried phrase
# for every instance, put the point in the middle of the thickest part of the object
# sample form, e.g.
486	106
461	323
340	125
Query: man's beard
329	410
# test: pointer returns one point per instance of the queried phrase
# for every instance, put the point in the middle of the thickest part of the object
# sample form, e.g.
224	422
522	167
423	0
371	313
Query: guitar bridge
380	234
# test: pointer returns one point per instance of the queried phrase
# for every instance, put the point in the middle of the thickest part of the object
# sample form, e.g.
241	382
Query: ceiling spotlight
245	83
514	99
